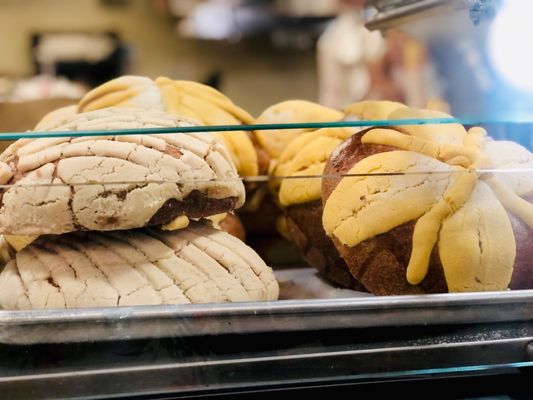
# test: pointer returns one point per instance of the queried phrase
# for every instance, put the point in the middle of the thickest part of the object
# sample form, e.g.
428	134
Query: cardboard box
23	116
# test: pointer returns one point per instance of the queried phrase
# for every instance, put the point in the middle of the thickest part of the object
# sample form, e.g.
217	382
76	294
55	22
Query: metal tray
312	305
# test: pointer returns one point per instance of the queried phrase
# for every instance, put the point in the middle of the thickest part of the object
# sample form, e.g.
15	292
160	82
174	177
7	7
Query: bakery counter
147	245
345	338
238	362
306	304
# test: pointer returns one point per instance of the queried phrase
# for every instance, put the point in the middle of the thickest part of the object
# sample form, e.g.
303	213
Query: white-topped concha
198	264
114	182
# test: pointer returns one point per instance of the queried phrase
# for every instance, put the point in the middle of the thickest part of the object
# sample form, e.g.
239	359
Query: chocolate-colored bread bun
480	244
378	263
299	192
304	222
523	266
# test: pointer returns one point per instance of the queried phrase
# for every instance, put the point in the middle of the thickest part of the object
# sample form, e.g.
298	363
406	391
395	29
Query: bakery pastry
262	214
515	165
198	264
306	156
412	210
189	99
114	182
290	111
372	110
56	116
302	164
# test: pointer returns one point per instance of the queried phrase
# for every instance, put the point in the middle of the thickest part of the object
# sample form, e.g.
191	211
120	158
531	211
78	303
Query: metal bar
125	323
395	15
264	371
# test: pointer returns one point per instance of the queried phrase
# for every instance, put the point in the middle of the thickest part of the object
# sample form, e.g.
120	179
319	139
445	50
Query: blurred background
469	57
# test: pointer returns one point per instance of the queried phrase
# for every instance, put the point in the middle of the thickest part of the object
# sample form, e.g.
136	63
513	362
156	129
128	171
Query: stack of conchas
409	209
97	204
200	103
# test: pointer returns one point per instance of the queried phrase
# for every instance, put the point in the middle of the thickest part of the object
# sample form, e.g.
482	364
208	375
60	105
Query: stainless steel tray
333	309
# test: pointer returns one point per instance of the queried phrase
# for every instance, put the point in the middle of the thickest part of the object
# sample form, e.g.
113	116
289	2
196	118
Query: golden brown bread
188	99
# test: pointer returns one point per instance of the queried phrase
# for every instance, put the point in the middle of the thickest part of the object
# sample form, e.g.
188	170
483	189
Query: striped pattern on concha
139	267
168	175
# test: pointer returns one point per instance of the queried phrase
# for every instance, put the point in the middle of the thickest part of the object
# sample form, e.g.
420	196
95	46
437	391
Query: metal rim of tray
136	322
391	13
270	308
315	306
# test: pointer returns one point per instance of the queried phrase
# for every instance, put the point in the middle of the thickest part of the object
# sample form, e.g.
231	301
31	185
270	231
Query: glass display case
398	239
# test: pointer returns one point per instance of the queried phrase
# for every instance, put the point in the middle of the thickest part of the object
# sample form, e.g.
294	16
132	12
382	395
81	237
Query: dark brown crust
345	156
379	263
195	205
232	225
522	277
304	222
261	221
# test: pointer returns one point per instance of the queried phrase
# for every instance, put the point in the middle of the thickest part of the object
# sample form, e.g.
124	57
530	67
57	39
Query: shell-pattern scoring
198	264
201	103
74	183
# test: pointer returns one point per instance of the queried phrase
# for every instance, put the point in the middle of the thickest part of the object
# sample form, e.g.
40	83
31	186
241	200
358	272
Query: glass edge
260	127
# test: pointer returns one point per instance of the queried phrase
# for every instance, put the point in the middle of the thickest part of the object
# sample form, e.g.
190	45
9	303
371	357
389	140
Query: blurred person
407	66
356	64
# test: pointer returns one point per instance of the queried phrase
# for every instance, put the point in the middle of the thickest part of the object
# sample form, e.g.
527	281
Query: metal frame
214	364
138	322
393	12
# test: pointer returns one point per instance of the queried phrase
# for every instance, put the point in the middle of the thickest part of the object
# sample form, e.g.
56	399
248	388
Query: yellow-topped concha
290	112
185	98
418	209
300	169
305	157
372	110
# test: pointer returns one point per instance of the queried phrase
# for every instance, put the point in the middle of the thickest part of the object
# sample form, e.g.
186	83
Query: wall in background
254	76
